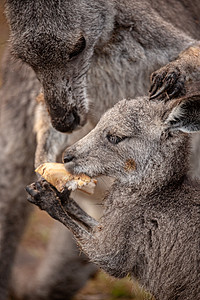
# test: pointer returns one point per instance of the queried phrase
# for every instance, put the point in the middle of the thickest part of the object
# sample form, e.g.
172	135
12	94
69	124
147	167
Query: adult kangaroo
77	48
87	55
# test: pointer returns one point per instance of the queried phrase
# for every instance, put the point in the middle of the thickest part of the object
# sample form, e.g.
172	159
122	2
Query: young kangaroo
150	226
87	55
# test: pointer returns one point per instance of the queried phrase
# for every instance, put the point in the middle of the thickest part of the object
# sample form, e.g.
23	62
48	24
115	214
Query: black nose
67	158
66	123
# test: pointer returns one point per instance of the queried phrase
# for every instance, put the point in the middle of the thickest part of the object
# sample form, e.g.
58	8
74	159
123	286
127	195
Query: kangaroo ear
185	115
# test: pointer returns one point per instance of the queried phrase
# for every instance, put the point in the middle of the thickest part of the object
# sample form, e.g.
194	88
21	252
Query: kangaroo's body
150	226
87	56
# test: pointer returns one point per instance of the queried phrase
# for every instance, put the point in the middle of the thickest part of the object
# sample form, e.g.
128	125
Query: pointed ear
185	115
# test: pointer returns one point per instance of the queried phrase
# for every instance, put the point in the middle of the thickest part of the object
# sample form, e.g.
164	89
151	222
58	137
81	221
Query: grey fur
125	42
150	226
122	39
17	144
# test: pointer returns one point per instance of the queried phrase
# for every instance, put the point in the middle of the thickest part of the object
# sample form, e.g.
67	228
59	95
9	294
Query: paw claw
159	92
31	190
157	82
167	81
30	199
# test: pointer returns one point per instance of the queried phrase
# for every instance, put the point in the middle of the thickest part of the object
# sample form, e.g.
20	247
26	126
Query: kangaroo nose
67	158
64	122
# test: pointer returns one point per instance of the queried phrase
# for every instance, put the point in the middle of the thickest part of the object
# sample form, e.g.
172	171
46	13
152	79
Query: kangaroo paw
42	194
167	83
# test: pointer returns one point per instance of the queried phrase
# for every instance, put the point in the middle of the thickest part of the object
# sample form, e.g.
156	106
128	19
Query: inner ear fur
183	114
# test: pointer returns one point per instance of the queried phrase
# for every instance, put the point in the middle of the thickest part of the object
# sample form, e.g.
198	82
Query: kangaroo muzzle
64	121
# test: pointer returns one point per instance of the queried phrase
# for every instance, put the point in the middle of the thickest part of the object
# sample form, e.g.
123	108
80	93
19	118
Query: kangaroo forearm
189	61
192	54
73	209
59	214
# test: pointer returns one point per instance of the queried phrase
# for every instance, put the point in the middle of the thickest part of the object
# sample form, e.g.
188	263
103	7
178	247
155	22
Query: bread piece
60	178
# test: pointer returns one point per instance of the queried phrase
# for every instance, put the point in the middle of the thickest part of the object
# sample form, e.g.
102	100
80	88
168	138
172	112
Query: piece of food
60	178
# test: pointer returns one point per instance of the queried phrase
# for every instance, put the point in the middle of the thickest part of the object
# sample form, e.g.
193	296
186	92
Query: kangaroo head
57	39
137	139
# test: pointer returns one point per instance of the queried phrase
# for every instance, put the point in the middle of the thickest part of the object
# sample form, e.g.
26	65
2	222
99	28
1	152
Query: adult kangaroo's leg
17	146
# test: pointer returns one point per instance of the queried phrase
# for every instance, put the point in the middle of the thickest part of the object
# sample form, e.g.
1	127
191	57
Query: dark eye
79	47
114	139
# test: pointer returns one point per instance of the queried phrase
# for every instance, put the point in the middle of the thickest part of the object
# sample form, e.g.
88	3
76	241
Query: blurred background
35	240
3	30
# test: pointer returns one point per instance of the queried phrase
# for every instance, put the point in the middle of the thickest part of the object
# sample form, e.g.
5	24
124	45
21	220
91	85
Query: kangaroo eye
114	139
78	48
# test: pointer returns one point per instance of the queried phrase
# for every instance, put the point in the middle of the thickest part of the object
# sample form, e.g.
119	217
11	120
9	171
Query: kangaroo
151	219
76	48
86	55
